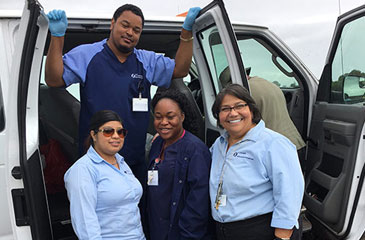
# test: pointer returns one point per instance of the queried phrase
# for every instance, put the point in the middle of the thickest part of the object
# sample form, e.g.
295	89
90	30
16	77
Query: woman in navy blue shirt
178	173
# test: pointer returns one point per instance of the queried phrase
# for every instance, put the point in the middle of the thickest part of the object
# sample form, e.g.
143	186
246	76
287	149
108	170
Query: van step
307	226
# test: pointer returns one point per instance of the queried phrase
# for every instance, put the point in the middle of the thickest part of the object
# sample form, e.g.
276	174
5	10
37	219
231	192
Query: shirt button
174	203
170	225
180	181
185	158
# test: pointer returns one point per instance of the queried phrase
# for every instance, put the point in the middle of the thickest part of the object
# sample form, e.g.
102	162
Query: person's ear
93	135
183	116
112	24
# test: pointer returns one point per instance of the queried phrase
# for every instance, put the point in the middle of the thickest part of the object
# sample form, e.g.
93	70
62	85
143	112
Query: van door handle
20	207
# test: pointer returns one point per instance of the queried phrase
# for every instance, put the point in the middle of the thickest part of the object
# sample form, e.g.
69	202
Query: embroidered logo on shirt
135	75
242	155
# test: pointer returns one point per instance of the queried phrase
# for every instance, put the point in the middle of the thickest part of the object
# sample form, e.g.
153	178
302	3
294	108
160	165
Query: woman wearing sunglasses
256	183
103	192
178	173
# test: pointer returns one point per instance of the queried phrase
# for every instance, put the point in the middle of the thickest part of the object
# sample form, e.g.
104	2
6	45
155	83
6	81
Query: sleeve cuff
284	223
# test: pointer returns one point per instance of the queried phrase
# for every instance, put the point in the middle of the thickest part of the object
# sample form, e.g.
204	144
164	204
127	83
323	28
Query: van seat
59	115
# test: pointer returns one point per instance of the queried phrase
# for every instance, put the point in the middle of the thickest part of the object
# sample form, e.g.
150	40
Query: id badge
223	200
152	178
140	105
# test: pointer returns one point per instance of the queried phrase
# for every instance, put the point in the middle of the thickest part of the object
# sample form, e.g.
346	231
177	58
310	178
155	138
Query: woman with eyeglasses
178	173
256	183
103	192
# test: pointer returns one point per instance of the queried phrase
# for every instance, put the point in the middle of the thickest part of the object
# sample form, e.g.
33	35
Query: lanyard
220	184
159	158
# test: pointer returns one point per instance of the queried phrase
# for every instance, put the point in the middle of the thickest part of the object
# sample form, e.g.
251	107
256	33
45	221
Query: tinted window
73	89
264	63
348	67
215	55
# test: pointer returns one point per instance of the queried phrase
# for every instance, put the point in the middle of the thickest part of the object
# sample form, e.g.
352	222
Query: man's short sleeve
75	62
159	69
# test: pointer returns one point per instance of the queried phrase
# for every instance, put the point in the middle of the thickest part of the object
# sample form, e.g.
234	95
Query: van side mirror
353	89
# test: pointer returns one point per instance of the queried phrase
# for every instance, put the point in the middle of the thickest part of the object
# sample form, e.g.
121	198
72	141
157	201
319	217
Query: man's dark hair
239	92
128	7
190	123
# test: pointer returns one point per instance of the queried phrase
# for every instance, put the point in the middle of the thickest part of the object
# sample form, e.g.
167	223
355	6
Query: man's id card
140	105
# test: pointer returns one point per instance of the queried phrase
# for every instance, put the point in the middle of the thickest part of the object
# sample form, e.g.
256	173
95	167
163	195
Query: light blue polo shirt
262	174
103	199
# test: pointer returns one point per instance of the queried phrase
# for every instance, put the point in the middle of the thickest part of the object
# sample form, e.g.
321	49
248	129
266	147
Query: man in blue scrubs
113	75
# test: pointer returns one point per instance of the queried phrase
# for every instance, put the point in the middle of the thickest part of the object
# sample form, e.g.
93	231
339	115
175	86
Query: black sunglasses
108	132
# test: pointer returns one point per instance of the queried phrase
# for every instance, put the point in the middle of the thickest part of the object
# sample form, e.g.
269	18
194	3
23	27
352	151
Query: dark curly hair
190	123
239	92
128	7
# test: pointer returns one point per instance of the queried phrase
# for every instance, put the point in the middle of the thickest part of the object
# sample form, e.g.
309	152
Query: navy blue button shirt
179	208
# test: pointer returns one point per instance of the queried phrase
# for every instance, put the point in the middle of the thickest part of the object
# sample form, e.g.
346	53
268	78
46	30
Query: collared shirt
103	199
106	83
262	174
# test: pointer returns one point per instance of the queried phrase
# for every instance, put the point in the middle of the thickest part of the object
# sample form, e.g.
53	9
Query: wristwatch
277	238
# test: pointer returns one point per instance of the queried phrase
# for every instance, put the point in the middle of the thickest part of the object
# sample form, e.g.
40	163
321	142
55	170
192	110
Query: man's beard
124	49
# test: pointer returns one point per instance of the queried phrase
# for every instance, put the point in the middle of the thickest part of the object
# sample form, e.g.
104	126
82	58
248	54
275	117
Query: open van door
215	48
25	189
334	192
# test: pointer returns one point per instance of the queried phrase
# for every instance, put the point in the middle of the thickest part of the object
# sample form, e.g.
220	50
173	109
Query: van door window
260	60
348	68
73	89
215	54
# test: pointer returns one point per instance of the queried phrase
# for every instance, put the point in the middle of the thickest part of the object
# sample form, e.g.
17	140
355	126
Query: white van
329	114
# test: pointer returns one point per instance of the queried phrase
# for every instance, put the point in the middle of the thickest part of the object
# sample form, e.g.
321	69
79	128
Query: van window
348	68
261	61
73	89
2	113
215	55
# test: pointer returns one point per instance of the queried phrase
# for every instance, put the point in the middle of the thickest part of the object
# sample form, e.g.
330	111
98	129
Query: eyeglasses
237	107
108	132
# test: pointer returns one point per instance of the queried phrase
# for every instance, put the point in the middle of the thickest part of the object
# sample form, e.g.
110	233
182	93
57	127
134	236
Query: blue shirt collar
252	135
96	158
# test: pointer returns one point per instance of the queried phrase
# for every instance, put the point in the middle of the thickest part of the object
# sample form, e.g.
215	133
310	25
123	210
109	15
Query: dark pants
140	172
256	228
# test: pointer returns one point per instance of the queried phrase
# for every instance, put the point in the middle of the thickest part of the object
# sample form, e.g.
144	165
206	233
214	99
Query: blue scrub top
108	84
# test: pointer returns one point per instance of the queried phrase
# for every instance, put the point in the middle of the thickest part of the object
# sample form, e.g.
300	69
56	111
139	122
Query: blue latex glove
57	22
190	18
